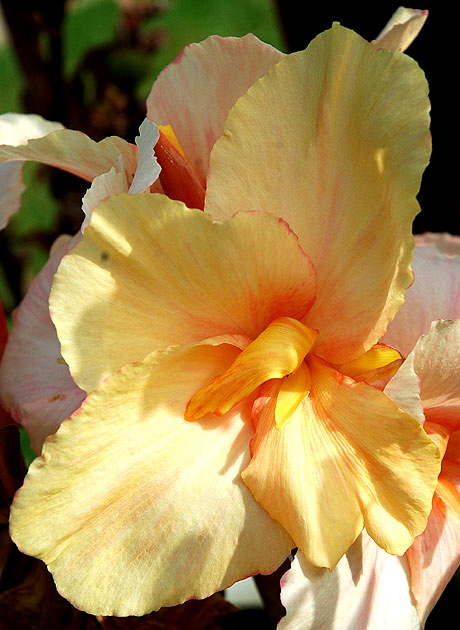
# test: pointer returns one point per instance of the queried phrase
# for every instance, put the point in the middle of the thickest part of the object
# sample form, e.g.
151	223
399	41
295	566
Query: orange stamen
177	177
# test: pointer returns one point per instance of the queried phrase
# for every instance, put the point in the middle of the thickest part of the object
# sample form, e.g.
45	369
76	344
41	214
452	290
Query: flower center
278	352
178	178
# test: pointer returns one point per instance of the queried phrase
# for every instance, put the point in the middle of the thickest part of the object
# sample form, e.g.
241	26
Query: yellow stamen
277	352
292	391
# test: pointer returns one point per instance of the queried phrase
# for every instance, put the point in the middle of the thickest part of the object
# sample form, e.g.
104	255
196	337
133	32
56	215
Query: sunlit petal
170	275
340	157
347	458
134	508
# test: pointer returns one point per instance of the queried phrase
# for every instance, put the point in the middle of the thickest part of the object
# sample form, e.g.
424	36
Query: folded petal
17	129
134	508
35	384
168	275
348	458
196	91
334	139
435	293
75	152
368	589
148	169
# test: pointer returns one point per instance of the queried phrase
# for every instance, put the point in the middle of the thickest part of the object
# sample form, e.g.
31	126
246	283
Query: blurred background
90	64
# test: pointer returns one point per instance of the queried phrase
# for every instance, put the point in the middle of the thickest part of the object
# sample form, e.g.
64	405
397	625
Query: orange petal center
276	353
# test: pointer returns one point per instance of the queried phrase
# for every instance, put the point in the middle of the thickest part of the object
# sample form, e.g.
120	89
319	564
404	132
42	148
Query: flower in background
356	594
228	353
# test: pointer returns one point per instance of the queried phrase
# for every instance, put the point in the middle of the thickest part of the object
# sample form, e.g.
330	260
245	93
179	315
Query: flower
182	324
356	594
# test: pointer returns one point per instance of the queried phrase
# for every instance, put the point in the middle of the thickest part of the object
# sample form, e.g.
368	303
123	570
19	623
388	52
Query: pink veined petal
341	160
367	590
196	91
134	508
435	293
17	129
171	275
35	384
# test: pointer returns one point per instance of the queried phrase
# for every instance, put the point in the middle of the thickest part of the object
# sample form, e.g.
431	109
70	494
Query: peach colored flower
226	353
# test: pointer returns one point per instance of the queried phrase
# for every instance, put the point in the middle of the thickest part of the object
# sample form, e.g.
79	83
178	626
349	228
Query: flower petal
434	557
434	376
435	294
17	129
148	169
354	596
347	459
134	508
196	91
334	139
169	275
35	384
75	152
401	30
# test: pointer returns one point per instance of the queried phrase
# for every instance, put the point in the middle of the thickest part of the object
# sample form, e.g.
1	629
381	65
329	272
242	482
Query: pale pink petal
340	158
368	590
435	294
196	91
148	169
434	556
404	390
12	187
403	27
134	508
437	364
443	241
17	129
35	384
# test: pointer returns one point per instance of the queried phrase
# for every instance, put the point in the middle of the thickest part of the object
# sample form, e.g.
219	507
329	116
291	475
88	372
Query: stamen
277	352
177	177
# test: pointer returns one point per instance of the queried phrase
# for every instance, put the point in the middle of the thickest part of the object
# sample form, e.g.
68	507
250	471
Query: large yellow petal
347	459
334	139
150	273
134	508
